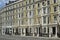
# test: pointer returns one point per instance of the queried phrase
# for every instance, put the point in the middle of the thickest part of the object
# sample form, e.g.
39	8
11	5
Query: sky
2	3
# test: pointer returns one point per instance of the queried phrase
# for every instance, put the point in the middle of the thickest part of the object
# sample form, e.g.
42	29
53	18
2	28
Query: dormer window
43	3
48	2
38	4
44	10
55	9
55	1
55	17
33	6
29	1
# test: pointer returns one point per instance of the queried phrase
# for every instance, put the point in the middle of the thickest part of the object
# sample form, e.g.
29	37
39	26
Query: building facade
39	18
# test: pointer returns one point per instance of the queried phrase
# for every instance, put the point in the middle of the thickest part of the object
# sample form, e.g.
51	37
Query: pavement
18	37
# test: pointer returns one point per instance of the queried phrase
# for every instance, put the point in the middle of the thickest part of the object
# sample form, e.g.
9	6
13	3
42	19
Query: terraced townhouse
40	18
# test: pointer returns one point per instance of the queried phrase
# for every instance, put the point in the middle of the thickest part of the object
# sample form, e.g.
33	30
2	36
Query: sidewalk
7	37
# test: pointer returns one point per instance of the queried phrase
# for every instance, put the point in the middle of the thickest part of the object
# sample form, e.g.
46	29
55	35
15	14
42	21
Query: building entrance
53	29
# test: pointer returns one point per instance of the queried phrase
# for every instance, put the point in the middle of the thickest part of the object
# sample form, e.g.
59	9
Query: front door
53	30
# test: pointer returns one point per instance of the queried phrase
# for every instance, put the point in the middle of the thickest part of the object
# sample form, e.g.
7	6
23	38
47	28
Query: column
24	31
21	32
38	32
3	31
50	31
56	32
12	31
33	32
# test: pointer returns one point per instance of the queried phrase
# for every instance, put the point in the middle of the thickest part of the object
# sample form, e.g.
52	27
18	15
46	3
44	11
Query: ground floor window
8	31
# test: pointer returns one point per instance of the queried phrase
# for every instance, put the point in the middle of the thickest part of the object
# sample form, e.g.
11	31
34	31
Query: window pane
44	19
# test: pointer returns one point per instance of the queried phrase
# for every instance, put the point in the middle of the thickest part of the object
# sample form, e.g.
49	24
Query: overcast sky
2	2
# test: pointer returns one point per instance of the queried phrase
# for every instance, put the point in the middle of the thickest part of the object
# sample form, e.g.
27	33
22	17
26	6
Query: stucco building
39	18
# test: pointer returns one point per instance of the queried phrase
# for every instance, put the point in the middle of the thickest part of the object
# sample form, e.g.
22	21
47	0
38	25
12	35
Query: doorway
53	30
